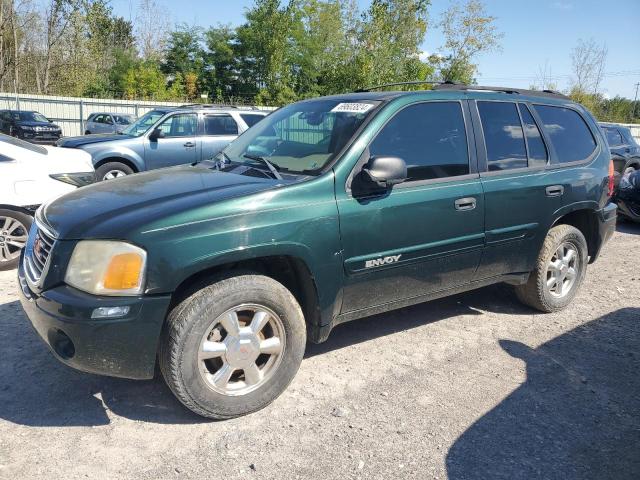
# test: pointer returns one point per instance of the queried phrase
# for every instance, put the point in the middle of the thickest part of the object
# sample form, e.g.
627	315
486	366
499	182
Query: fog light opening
61	344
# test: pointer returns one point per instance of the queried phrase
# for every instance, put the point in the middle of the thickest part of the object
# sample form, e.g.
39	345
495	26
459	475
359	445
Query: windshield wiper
266	162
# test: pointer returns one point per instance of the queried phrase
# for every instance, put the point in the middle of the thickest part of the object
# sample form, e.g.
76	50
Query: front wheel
112	170
560	270
14	229
233	347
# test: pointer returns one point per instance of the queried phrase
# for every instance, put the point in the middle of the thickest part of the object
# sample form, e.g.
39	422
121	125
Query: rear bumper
123	347
606	226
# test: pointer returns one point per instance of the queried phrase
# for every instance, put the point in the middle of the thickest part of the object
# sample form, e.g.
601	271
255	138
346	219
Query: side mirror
386	171
156	134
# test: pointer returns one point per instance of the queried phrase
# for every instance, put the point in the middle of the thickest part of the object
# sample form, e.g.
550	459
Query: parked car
30	126
108	123
627	196
326	211
163	138
625	151
29	176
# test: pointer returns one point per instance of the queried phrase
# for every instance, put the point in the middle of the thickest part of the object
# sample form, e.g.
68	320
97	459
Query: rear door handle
467	203
555	191
189	144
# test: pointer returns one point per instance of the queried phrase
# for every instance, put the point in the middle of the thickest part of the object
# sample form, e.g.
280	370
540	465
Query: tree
224	75
588	60
152	25
389	42
468	31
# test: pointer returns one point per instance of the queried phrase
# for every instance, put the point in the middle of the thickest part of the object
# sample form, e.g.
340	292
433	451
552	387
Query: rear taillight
611	179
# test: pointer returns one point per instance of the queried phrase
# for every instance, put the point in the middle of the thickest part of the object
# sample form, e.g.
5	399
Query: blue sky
536	34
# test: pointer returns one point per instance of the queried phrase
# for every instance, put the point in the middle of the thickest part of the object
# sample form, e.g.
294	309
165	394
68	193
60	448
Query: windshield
123	119
22	144
143	124
29	117
302	137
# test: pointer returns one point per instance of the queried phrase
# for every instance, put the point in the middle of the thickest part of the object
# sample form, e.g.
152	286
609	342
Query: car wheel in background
112	170
87	132
233	346
560	269
14	230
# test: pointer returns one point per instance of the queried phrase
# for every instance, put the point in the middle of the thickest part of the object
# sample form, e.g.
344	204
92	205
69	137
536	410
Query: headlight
107	267
77	179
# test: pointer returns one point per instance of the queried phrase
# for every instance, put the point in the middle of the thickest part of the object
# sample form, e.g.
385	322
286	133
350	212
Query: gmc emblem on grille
378	262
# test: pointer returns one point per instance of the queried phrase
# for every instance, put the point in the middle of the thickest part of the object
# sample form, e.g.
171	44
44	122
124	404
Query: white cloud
562	5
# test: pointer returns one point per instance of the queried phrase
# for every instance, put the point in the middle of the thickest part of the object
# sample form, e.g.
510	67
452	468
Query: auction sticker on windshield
352	107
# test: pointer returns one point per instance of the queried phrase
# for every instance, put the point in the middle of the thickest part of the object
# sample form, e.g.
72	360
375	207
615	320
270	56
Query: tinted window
251	119
181	125
99	119
535	145
220	125
613	136
570	136
503	135
429	137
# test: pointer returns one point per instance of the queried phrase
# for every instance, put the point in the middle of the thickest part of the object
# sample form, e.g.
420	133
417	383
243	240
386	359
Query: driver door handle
555	191
189	145
467	203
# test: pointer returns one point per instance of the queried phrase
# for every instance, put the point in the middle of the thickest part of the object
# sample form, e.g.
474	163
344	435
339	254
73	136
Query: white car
31	175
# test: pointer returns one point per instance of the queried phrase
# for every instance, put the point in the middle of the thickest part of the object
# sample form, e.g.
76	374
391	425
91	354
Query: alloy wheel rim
562	270
13	238
111	174
241	349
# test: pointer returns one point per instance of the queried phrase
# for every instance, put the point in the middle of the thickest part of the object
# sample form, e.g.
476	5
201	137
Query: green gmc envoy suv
328	210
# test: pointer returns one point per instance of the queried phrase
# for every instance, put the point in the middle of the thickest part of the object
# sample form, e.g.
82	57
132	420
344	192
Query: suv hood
36	124
115	208
75	142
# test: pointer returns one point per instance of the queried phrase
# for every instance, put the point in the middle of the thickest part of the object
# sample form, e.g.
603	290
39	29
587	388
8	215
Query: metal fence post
137	111
81	117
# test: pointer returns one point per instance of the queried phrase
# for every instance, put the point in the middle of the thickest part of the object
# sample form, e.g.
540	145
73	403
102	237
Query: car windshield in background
22	144
303	137
29	117
144	123
123	119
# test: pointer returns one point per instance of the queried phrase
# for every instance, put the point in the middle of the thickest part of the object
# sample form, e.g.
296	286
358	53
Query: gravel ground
472	386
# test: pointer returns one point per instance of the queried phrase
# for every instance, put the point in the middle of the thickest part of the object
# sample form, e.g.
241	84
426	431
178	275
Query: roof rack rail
219	105
517	91
465	87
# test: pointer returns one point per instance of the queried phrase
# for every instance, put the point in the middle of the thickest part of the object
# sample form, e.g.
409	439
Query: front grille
37	255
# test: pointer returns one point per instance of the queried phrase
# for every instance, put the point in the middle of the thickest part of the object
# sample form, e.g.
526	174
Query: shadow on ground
628	227
576	417
37	390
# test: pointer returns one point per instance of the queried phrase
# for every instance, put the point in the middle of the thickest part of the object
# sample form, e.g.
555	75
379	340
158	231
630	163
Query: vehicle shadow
577	416
628	227
37	390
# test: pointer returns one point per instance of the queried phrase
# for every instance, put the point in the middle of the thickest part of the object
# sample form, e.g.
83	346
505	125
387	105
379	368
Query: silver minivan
108	122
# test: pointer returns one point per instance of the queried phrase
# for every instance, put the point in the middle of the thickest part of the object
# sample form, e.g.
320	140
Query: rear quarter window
568	133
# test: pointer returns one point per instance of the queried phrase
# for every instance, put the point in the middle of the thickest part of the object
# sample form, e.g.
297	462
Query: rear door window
535	144
571	138
220	125
251	118
613	136
430	137
503	135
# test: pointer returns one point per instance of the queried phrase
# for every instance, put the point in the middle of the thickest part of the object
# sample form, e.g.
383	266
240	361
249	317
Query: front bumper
122	347
40	138
606	226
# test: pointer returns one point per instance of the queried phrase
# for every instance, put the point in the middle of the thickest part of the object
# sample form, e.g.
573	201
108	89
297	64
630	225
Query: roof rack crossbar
397	84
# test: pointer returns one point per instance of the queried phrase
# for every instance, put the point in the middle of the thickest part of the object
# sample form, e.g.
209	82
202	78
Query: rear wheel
560	270
112	170
14	229
233	346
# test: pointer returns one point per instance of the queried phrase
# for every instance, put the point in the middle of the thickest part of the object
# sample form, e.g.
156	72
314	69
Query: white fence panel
71	112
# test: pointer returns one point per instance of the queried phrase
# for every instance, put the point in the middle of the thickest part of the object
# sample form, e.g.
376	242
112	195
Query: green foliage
616	110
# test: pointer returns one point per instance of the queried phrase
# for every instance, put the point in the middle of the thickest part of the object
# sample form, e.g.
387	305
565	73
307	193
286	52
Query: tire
536	293
111	170
189	325
10	252
87	132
